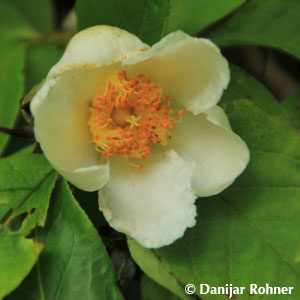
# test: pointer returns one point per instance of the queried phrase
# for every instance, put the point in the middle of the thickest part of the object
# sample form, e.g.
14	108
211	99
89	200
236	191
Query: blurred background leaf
38	13
39	60
272	23
11	85
14	26
150	20
26	182
25	59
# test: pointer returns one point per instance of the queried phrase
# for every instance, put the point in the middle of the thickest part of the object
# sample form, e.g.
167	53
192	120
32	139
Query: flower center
128	114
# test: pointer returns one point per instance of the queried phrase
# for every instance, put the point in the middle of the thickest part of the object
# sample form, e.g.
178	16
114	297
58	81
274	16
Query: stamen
129	114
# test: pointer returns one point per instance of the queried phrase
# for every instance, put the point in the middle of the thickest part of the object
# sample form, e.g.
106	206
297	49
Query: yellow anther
129	114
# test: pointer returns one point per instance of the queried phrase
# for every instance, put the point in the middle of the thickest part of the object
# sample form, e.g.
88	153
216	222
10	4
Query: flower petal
61	107
61	111
89	179
98	46
219	154
190	69
154	205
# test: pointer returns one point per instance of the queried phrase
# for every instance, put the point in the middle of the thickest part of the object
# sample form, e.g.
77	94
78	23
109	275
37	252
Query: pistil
129	114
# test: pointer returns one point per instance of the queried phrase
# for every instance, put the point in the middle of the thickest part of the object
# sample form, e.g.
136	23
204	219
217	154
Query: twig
24	132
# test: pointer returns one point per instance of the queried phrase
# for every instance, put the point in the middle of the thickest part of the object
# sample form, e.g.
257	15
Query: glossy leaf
251	232
26	182
272	23
152	19
74	263
18	255
244	86
264	133
26	150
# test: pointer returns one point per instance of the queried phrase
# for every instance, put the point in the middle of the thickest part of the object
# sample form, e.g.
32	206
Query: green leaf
88	201
18	255
251	232
150	20
74	263
26	150
152	291
38	13
202	13
11	85
16	144
26	182
264	133
273	23
155	269
14	30
292	106
14	25
18	19
39	60
244	86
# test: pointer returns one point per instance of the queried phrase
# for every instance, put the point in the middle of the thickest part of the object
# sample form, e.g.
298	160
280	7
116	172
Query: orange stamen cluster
129	114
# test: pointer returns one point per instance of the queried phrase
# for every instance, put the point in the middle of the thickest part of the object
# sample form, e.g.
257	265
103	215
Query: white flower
104	121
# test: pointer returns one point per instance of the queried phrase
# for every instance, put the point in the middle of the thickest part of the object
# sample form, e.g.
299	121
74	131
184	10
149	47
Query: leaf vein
254	227
163	31
68	264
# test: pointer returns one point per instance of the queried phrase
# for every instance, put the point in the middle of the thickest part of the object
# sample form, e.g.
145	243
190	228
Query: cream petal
61	111
89	179
217	116
192	70
61	107
219	154
98	46
155	205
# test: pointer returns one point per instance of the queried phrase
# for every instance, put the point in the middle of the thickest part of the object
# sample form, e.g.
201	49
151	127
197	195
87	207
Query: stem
37	149
57	38
25	132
